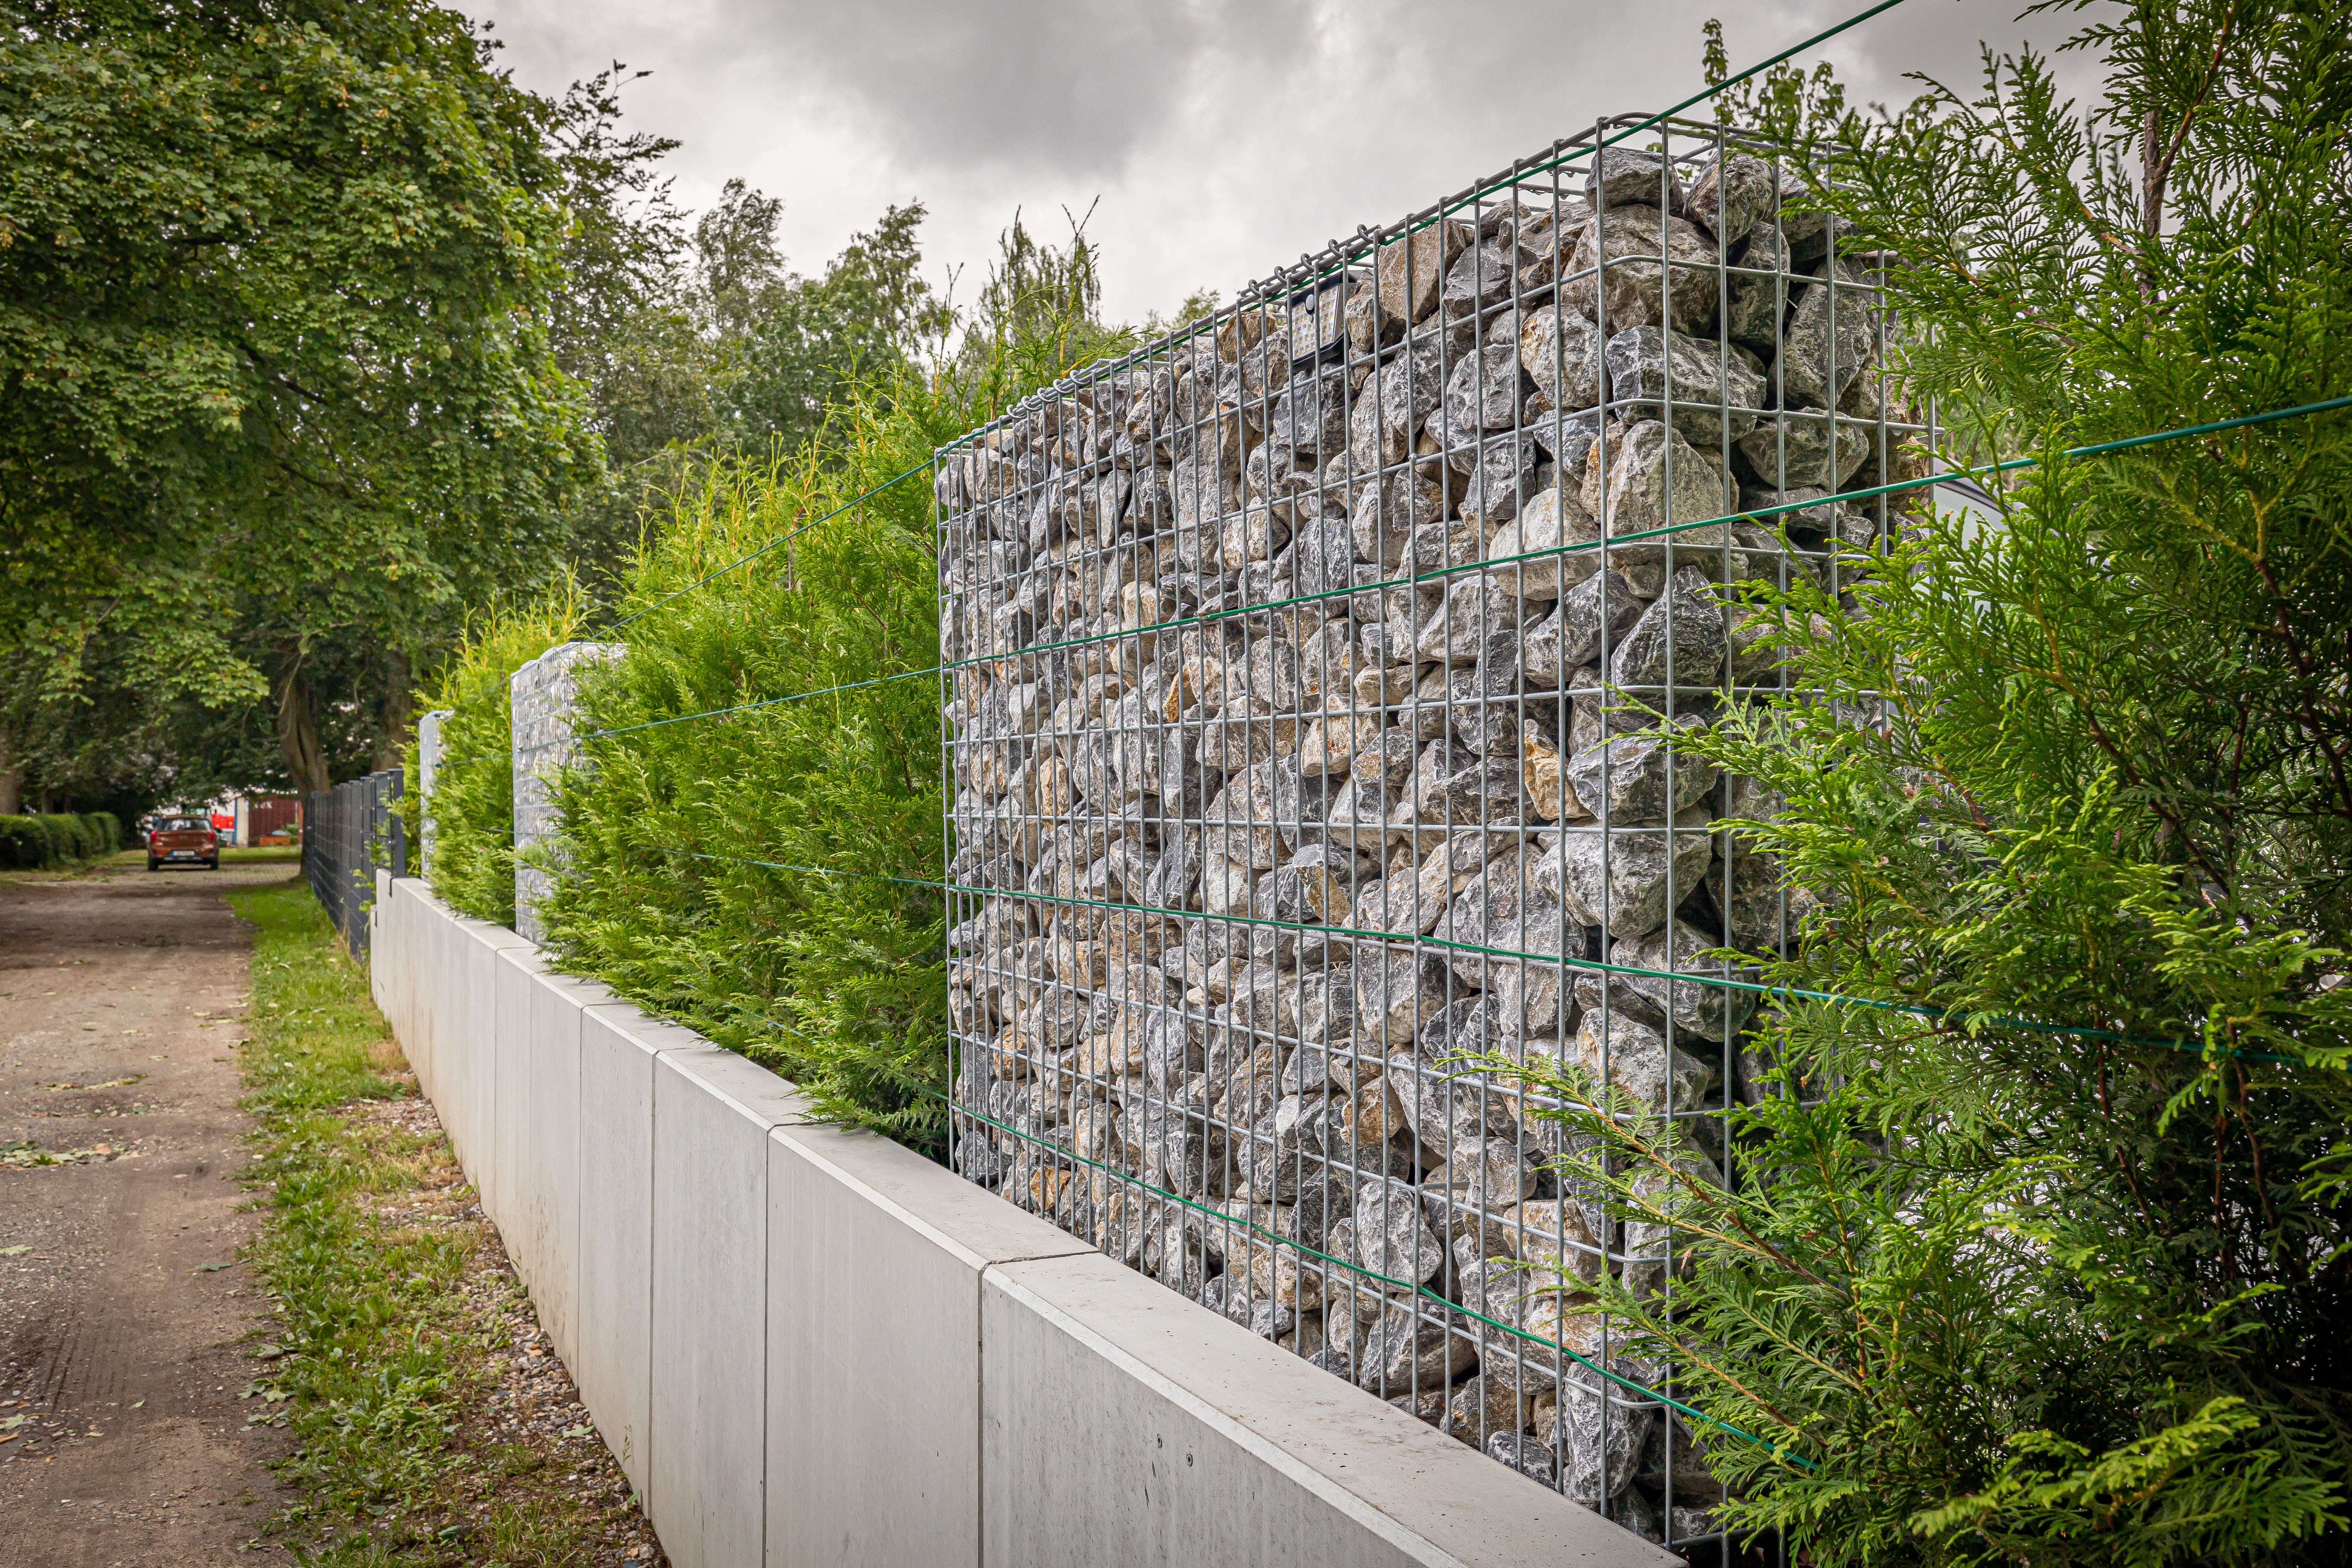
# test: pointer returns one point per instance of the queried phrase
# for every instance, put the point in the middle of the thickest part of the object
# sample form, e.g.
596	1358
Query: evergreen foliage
2041	1256
24	844
835	976
472	864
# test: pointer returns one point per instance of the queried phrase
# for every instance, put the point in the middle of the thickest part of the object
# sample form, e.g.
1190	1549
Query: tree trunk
392	715
298	734
12	775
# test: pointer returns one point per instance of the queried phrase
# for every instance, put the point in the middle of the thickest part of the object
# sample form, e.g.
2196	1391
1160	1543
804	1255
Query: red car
182	841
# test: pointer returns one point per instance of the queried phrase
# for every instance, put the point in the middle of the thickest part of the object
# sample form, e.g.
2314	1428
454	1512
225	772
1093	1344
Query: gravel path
122	1311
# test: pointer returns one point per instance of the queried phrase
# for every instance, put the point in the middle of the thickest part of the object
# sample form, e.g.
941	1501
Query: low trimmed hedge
58	838
24	844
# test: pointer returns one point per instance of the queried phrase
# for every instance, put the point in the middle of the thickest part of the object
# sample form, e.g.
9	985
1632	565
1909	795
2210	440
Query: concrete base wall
811	1346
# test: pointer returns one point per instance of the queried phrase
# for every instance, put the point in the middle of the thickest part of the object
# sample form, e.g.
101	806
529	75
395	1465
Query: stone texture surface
542	694
1420	588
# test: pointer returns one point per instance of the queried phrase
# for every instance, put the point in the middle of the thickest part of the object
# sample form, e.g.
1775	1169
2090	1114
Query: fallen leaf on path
210	1267
14	1251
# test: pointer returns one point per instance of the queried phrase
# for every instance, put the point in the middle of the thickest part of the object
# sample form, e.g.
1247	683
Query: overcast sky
1222	137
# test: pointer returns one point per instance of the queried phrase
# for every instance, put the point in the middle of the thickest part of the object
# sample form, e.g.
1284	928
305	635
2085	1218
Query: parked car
182	841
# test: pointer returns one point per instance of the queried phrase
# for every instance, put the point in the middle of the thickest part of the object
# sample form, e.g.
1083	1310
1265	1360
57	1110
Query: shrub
472	863
68	838
105	830
827	961
24	844
2041	1255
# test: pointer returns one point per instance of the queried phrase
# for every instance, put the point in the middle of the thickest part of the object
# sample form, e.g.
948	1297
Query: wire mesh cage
1315	680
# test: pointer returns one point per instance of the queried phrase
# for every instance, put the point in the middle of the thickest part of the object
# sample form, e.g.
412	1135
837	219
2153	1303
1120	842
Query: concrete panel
713	1113
476	1089
517	970
548	1190
614	1366
875	1257
1120	1423
425	954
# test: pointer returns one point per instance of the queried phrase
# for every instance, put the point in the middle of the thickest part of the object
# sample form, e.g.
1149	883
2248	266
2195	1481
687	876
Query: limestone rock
1635	285
1553	541
1712	392
1678	643
1832	334
1622	879
1561	353
1623	177
1732	194
1700	1009
1600	609
1637	1060
1639	778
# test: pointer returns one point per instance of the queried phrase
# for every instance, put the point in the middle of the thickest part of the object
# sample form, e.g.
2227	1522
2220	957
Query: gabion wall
1294	662
542	697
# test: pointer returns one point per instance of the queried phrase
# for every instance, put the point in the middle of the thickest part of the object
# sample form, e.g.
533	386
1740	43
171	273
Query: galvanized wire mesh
1314	742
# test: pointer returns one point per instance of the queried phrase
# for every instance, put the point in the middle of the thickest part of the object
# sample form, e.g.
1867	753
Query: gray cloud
1222	137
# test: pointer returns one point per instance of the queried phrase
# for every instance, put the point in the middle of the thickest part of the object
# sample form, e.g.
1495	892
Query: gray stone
1623	177
1636	1059
1391	1235
1483	276
1641	778
1561	353
1482	393
1747	881
1397	990
1732	194
1393	403
1696	1007
1599	1439
1510	471
1794	452
1524	1454
1456	631
1820	357
1598	608
1483	1175
1358	816
1386	510
1635	285
1650	478
1569	438
1396	905
1443	1106
1417	1348
1636	892
1467	1027
1553	541
1758	295
1679	642
1713	392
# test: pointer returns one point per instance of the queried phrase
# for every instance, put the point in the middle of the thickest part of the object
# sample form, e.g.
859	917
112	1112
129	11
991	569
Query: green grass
384	1321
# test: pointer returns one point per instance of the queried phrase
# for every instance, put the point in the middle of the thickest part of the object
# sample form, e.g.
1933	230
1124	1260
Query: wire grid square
1312	678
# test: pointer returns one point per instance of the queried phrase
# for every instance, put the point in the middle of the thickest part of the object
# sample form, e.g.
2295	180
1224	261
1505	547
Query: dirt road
125	1319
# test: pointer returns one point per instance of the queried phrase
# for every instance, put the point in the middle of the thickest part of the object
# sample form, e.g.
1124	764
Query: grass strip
407	1367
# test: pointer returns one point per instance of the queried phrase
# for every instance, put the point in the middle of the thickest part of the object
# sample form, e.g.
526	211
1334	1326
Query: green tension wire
2102	448
1589	965
1278	1241
773	543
